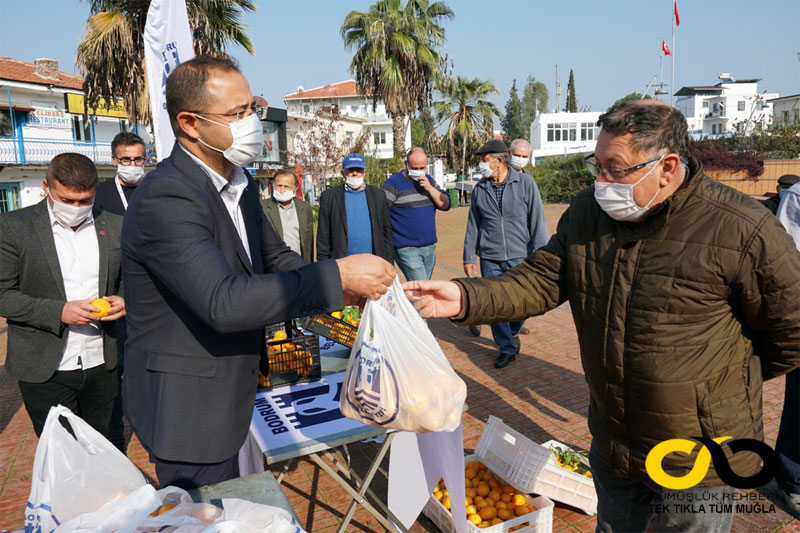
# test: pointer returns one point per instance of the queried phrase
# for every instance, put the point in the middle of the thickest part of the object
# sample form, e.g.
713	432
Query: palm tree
111	51
468	113
397	55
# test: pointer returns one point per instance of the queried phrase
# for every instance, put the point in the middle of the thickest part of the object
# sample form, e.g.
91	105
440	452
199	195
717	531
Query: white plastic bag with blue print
397	376
77	475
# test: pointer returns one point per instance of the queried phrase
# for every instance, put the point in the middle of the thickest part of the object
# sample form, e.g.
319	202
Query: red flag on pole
677	17
665	48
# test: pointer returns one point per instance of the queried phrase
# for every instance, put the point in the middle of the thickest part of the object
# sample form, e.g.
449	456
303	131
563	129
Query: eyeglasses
616	174
127	161
238	115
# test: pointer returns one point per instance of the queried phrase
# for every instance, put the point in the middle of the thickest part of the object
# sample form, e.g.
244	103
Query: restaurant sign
49	118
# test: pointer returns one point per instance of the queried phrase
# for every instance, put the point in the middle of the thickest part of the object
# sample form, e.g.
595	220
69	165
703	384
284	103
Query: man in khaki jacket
685	297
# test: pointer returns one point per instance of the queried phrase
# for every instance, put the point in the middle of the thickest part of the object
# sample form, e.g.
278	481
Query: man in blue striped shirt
414	199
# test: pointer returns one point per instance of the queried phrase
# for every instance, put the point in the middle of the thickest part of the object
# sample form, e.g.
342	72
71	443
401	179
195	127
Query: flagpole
672	85
660	70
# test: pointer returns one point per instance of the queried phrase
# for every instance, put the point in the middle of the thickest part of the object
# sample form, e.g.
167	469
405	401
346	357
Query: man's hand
434	298
366	275
117	309
471	270
79	312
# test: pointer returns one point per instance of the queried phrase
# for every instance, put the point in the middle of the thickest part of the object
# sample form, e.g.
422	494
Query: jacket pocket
184	365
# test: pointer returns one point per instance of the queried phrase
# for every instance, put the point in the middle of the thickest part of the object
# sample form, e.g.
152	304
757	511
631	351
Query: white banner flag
167	43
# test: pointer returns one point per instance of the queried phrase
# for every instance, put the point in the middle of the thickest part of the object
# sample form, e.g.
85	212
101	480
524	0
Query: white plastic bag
77	475
397	376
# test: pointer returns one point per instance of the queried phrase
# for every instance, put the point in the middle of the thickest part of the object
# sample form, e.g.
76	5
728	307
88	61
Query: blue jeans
625	504
503	333
416	262
788	443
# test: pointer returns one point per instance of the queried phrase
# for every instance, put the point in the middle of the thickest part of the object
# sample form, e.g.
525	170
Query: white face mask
248	140
130	174
70	215
519	162
485	169
416	175
616	199
354	183
282	196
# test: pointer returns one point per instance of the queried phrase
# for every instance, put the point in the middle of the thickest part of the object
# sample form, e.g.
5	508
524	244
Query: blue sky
612	45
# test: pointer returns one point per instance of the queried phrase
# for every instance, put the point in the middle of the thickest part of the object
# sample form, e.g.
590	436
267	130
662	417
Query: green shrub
560	179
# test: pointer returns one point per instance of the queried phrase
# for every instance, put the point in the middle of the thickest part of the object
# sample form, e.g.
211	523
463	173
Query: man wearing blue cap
354	216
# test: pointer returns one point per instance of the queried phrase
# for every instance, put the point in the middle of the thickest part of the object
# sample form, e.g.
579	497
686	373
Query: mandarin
474	518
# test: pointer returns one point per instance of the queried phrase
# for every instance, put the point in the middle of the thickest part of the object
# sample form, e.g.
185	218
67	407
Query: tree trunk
399	134
464	157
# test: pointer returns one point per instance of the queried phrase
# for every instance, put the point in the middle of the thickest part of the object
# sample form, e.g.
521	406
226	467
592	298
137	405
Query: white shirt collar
238	180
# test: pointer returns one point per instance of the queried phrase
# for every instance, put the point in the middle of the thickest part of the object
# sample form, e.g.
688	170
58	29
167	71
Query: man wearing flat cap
784	183
505	225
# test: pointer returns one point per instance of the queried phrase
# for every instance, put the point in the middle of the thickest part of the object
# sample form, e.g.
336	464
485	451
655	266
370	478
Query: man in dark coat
205	272
354	217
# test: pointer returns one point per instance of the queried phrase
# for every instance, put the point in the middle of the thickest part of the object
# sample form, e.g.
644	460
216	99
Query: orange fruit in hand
101	304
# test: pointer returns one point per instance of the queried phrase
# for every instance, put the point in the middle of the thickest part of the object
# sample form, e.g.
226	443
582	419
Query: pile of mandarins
286	357
488	501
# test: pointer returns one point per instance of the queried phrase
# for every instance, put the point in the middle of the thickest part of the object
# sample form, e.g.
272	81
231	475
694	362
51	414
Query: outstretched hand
365	275
434	298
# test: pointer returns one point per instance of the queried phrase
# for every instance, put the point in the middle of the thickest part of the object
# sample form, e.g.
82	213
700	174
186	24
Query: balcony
27	150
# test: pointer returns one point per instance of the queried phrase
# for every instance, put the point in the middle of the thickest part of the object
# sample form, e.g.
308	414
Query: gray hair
653	126
504	155
516	142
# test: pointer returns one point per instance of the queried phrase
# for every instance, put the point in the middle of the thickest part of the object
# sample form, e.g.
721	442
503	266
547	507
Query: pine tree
512	125
572	102
534	101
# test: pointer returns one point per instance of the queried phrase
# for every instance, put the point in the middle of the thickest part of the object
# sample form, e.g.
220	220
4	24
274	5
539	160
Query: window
379	137
740	105
5	123
306	108
9	197
705	104
561	132
127	125
354	108
82	129
588	131
349	136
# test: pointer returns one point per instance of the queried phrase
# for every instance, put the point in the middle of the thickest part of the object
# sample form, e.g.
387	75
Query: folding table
304	420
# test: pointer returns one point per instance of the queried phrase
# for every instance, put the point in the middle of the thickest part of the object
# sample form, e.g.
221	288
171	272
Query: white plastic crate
530	467
539	521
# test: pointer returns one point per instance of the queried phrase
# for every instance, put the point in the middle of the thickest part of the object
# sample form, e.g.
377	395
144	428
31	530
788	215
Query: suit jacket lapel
41	222
102	246
189	168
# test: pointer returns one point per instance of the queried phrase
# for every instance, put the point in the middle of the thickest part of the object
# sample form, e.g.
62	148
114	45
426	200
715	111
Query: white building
563	134
728	106
356	116
41	116
786	110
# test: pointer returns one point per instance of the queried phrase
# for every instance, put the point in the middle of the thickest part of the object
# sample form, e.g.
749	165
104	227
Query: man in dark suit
56	257
291	218
127	153
204	273
354	217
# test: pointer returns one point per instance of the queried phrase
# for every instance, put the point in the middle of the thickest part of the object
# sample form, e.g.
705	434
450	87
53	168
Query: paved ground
542	394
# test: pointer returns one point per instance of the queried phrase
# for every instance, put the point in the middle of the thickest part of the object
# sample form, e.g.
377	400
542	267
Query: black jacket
197	307
107	197
332	226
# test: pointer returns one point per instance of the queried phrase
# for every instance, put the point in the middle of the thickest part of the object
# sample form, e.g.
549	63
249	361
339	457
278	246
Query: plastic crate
291	360
331	328
539	521
530	467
